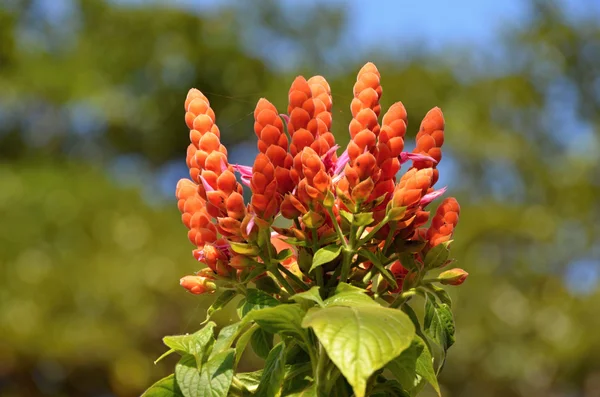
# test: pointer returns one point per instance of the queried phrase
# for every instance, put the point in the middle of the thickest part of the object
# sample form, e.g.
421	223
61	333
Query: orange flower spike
273	142
320	125
301	111
265	200
444	222
430	139
365	106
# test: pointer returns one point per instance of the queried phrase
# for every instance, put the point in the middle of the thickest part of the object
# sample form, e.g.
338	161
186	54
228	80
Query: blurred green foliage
89	268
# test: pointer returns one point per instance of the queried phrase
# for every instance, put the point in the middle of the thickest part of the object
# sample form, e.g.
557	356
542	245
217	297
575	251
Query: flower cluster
316	218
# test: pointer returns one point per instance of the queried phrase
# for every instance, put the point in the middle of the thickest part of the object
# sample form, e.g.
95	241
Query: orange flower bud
198	285
444	222
240	262
453	277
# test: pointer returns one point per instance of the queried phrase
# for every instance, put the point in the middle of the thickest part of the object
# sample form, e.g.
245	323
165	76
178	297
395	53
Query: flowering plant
324	295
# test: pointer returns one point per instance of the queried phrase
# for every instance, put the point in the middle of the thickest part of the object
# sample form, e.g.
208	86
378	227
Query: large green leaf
412	366
166	387
216	375
188	376
284	319
262	342
195	344
243	341
325	255
255	300
348	295
271	381
226	337
361	340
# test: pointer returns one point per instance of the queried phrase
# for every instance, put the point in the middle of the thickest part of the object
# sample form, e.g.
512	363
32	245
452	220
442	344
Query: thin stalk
346	262
369	236
402	298
293	277
337	227
272	266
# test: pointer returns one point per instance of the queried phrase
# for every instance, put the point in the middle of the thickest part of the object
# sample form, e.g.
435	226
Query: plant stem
402	298
346	262
372	232
272	266
293	277
337	227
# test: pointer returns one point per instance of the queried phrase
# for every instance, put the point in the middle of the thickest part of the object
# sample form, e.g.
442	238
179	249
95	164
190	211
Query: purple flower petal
285	117
250	225
405	156
328	158
206	185
341	162
429	197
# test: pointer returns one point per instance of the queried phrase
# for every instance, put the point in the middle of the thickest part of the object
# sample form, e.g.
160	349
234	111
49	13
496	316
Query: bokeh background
92	142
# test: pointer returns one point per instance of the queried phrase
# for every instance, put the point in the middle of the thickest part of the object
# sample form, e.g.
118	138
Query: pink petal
341	162
429	197
206	185
285	117
250	225
405	156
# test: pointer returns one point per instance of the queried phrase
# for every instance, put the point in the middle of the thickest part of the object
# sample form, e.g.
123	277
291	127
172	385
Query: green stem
390	237
369	236
346	262
293	277
272	266
402	298
337	227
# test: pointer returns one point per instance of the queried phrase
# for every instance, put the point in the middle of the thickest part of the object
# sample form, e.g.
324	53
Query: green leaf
363	219
255	300
243	341
216	375
313	220
194	344
284	319
244	249
226	337
310	391
284	254
220	303
414	365
250	380
441	294
165	354
348	295
361	340
268	285
348	217
166	387
271	381
188	376
389	388
437	256
298	378
310	295
325	255
262	343
439	322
